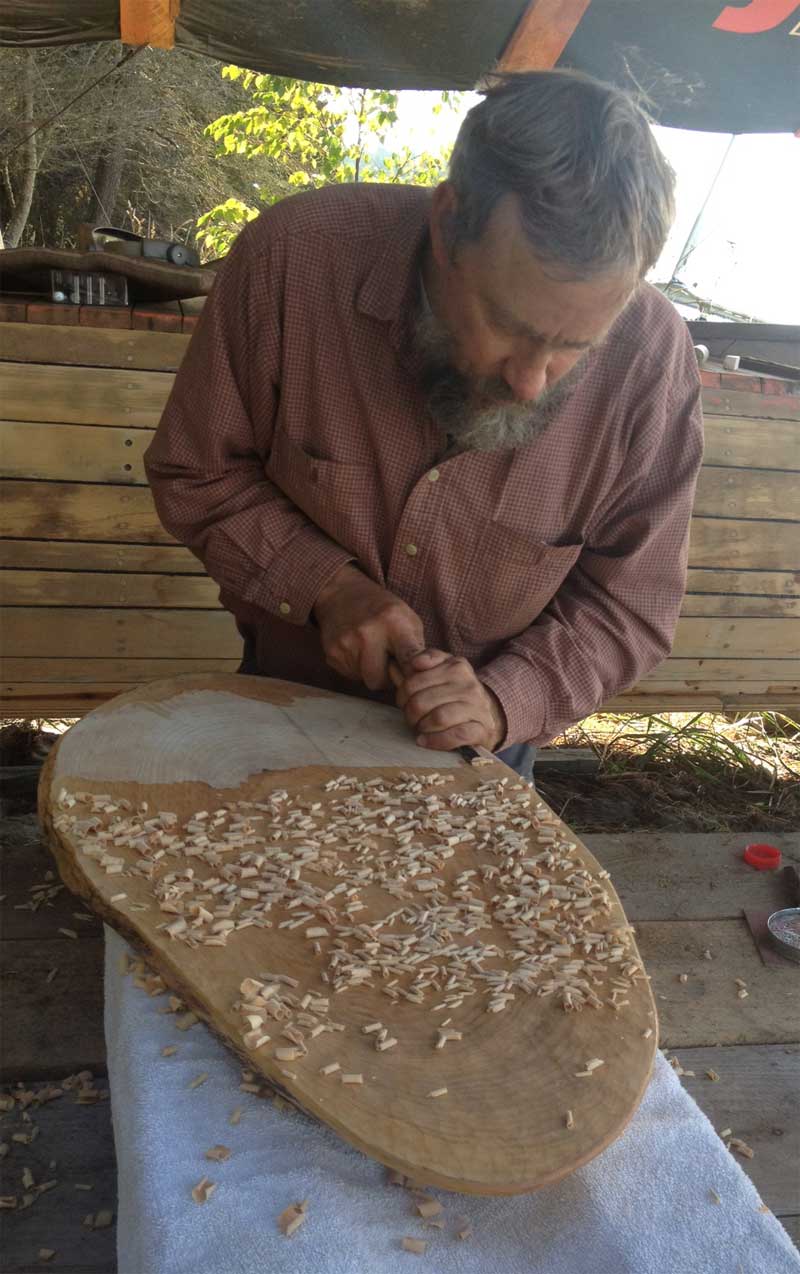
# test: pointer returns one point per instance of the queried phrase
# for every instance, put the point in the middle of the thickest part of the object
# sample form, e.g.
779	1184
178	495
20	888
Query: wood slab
200	742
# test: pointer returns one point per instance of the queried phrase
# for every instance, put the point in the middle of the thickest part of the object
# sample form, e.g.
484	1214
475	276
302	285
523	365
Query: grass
696	771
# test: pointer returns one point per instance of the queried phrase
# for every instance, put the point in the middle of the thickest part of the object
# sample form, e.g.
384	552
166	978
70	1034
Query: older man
443	445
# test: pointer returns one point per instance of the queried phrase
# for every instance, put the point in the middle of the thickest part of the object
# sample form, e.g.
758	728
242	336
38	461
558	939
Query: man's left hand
446	705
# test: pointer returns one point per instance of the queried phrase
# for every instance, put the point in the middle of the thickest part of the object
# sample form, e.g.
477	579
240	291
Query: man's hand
363	626
446	705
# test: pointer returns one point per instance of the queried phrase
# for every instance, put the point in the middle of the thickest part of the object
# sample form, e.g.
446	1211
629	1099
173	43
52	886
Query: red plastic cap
763	857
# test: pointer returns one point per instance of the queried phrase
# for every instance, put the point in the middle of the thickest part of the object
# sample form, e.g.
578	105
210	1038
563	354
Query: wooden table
684	894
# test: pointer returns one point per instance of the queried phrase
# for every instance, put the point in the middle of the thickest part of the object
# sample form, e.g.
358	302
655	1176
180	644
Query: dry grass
683	771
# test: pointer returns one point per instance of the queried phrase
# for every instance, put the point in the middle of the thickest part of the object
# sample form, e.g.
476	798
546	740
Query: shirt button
285	608
411	550
433	476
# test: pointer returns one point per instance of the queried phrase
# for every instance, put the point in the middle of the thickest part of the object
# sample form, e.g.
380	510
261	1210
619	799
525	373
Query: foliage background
172	139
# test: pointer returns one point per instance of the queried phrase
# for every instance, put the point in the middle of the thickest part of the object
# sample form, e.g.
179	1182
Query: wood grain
748	493
709	670
37	1012
733	544
77	511
737	607
80	1140
542	34
739	402
53	631
73	453
727	637
706	1010
758	1097
65	555
514	1139
751	443
73	673
83	395
80	588
92	347
692	875
743	583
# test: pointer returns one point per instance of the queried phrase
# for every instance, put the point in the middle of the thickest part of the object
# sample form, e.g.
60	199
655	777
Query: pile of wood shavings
303	863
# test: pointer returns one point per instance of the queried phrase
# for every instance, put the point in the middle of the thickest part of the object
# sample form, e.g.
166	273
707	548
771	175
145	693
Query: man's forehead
519	291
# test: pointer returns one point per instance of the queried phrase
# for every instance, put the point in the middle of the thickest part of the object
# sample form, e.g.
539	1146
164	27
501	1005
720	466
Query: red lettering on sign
757	16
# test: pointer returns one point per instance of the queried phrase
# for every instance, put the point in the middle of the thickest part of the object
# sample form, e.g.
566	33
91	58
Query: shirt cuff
293	583
522	697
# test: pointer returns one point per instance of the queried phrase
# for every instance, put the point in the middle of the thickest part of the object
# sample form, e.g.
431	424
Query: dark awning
704	64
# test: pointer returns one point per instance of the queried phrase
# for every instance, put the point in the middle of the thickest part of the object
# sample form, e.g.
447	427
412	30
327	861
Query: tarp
704	64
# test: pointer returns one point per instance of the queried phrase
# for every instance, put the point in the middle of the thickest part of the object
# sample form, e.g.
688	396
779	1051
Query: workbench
683	893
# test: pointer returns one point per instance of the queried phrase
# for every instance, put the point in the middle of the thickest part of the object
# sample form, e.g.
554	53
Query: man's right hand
363	626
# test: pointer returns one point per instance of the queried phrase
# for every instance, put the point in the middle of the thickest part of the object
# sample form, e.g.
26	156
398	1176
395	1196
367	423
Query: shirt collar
390	292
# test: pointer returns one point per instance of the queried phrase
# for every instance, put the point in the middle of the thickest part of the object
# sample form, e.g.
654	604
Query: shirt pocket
510	578
336	496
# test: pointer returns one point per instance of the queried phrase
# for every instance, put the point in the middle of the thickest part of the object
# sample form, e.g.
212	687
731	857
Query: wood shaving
330	1069
438	1092
714	1196
46	1253
219	1153
169	1051
103	1220
201	1079
69	933
683	977
203	1191
292	1218
418	1246
465	1232
712	1074
741	1148
352	1079
569	1120
50	976
236	1116
429	1208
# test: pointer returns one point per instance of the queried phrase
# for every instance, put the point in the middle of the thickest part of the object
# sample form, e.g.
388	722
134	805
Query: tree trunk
30	162
107	180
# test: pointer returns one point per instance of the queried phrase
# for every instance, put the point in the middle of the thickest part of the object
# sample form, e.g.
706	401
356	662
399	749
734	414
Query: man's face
511	335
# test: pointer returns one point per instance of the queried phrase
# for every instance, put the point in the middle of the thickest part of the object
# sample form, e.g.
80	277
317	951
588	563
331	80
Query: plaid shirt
296	439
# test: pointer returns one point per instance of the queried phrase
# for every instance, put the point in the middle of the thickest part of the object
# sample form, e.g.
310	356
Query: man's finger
420	705
446	715
373	662
468	734
425	660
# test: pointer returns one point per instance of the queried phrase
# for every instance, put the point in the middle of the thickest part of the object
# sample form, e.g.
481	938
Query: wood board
201	742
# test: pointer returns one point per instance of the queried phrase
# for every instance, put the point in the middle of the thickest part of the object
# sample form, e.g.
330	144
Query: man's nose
527	376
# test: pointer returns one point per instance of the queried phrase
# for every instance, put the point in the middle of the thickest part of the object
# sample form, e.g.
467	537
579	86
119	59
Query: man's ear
442	223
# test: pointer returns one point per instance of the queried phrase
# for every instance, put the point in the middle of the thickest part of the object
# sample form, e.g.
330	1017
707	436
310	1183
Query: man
443	445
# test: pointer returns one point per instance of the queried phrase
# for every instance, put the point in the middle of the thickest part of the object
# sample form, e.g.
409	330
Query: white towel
641	1207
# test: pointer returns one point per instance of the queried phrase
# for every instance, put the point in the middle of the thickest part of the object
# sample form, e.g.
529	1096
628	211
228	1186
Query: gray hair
595	191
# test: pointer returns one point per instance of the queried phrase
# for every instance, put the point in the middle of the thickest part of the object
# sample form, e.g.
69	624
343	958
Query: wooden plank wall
97	596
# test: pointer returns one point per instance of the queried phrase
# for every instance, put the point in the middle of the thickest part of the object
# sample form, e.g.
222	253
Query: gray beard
481	413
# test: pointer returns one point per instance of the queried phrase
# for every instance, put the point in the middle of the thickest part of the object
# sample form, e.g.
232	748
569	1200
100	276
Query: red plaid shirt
296	439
